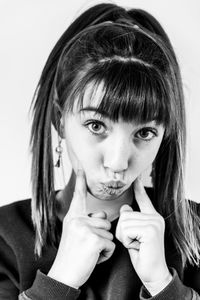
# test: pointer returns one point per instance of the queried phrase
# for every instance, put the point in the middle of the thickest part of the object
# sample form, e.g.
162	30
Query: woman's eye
96	127
146	134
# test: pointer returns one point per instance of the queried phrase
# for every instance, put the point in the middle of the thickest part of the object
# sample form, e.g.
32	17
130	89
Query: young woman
112	89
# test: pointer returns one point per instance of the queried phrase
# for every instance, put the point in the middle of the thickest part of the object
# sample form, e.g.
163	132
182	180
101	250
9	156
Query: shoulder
16	209
15	217
15	206
195	206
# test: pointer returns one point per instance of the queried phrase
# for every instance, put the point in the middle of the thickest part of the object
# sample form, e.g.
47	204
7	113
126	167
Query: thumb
125	207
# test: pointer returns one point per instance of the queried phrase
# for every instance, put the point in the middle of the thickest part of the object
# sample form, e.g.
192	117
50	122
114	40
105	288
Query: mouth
113	187
114	184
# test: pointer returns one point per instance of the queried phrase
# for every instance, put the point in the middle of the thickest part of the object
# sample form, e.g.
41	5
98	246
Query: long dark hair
130	55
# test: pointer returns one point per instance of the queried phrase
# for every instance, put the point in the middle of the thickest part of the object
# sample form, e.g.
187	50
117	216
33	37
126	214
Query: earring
59	151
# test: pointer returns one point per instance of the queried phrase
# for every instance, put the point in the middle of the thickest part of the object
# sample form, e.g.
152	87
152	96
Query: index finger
78	203
142	198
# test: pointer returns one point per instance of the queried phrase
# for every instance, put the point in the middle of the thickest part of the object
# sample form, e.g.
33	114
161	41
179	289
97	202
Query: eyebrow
96	110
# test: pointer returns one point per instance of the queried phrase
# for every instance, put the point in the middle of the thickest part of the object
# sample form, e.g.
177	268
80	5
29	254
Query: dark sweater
22	273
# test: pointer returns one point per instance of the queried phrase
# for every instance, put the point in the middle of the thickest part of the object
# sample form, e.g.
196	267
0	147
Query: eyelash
94	122
147	129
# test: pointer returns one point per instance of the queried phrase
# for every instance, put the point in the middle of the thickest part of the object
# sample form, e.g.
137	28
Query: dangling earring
59	151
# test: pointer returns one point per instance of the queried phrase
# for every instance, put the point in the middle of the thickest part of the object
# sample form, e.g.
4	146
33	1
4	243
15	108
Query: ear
57	118
61	129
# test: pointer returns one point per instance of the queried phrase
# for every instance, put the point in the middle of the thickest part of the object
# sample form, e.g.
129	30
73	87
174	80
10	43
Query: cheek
145	157
80	152
76	152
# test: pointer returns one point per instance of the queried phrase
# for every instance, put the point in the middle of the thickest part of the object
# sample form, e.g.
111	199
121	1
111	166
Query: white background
28	31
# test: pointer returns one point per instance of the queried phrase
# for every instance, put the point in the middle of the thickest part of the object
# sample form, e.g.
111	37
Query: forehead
92	96
139	104
91	101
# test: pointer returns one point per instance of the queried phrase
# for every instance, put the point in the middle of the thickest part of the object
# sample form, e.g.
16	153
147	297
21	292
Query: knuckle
123	226
124	238
84	230
121	232
161	221
77	224
124	215
112	247
117	233
103	224
110	235
126	243
94	240
151	231
107	225
67	220
74	222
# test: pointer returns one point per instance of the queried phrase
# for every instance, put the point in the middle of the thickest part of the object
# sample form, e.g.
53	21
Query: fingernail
79	172
101	214
125	207
104	215
79	165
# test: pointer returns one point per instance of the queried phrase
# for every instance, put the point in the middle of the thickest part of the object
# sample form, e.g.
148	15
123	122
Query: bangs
129	91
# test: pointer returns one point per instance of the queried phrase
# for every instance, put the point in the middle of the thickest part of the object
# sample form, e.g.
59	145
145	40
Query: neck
112	207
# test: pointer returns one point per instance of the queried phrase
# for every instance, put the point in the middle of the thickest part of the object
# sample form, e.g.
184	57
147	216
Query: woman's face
112	154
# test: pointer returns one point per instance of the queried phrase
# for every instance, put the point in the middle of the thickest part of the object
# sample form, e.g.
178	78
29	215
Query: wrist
157	286
67	280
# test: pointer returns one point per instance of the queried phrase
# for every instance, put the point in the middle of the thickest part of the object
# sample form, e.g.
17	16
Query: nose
117	153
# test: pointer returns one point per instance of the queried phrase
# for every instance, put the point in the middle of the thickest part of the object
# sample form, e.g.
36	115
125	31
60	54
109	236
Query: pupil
144	133
95	127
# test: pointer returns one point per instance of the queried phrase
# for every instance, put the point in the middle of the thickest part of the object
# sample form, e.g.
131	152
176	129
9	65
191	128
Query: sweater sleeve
173	291
9	281
44	287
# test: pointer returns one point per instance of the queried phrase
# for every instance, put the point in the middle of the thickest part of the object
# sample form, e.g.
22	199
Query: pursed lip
114	184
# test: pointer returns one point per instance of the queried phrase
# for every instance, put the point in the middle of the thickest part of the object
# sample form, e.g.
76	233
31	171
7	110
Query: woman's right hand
85	240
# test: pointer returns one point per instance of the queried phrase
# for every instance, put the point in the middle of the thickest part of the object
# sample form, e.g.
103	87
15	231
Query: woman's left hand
142	233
